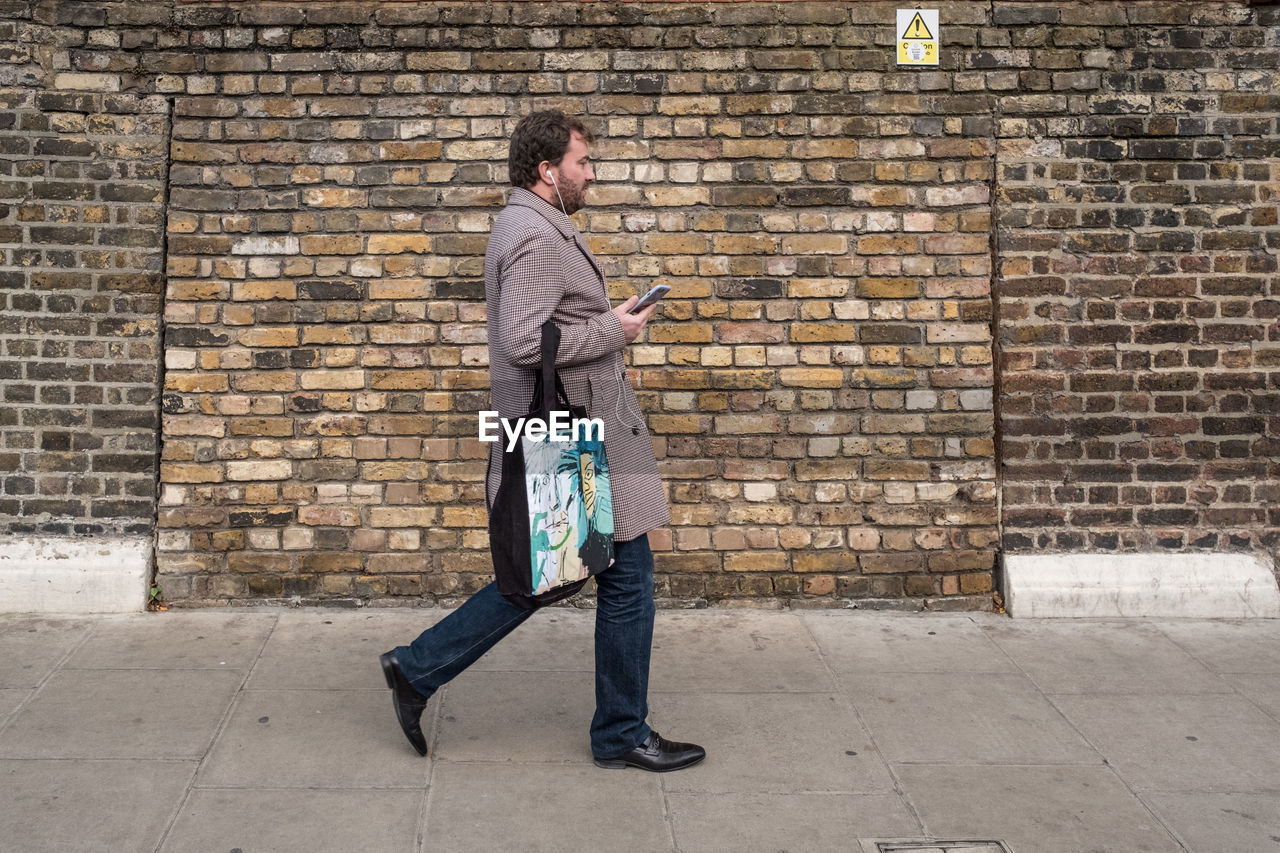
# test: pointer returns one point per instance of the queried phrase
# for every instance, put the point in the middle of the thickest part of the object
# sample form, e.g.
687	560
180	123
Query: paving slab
1187	742
997	729
1228	645
731	823
1034	809
544	808
88	806
201	640
303	819
31	647
556	639
1105	657
10	699
313	739
770	743
970	718
335	650
121	714
1212	823
513	716
855	643
1261	690
744	652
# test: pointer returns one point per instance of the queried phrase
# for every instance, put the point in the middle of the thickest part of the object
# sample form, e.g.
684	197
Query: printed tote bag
551	524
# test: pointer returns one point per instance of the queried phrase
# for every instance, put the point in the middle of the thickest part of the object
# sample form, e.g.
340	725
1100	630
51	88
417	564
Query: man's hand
632	324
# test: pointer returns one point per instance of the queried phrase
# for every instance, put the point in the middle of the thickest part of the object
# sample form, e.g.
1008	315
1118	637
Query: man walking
538	267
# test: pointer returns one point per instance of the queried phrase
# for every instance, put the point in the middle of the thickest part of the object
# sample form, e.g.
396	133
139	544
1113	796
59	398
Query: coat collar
527	198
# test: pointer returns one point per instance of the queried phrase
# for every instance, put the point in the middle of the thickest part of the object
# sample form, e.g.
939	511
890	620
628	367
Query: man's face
574	173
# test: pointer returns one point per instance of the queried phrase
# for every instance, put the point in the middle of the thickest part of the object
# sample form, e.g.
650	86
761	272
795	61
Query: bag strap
550	347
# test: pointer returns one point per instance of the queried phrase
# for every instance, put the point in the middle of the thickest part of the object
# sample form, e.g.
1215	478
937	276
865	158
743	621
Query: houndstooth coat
537	266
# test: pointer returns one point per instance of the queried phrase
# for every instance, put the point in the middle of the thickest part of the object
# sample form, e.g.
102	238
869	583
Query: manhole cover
941	846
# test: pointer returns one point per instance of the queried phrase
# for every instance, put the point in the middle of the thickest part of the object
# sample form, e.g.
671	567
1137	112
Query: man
537	266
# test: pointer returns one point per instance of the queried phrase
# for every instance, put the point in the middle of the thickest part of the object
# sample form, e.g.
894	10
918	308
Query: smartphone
658	291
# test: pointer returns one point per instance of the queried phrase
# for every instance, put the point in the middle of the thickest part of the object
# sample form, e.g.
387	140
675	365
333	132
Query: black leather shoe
656	754
408	702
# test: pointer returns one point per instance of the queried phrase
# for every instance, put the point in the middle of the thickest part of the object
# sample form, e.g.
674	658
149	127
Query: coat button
635	430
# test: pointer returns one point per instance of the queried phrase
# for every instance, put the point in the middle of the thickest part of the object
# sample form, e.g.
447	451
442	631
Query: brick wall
1138	289
820	382
82	174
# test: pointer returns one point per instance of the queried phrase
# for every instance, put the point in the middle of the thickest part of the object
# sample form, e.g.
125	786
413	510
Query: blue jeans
624	638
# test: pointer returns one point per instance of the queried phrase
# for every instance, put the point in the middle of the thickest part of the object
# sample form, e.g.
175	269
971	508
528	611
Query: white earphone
557	186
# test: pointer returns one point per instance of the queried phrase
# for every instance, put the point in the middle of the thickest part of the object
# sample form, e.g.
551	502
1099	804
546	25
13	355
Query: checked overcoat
537	266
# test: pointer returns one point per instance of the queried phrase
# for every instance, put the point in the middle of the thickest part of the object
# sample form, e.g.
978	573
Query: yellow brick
179	473
818	288
464	380
400	471
401	425
287	337
808	333
680	106
742	244
392	244
835	147
477	150
195	383
883	244
265	381
465	517
675	244
402	288
813	244
677	196
194	425
803	377
755	561
333	335
887	288
612	244
334	197
391	516
419	150
758	104
331	244
198	291
274	469
332	379
403	379
253	291
674	424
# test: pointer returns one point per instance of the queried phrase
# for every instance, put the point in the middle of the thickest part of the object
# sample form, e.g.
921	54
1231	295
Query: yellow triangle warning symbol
917	29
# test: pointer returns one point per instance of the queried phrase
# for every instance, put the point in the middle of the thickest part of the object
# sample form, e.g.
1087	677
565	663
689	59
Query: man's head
548	156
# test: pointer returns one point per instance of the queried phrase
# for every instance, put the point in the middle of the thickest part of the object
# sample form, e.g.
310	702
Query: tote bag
551	523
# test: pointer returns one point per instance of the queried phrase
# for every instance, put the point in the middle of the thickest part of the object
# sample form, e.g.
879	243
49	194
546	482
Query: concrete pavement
272	730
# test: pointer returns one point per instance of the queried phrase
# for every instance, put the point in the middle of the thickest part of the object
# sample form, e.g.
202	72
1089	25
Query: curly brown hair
543	135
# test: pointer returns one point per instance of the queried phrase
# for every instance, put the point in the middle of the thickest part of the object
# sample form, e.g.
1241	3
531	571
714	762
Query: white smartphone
658	291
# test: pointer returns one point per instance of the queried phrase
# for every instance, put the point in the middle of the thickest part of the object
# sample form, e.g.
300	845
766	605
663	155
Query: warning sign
918	36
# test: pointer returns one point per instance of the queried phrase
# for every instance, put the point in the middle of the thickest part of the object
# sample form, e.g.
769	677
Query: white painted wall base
1191	585
54	574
